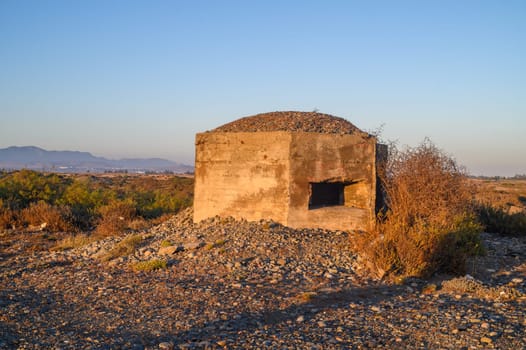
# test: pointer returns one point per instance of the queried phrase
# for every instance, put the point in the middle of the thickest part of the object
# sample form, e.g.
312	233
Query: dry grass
470	286
502	205
138	224
125	247
166	243
218	243
430	223
150	265
429	288
73	241
501	193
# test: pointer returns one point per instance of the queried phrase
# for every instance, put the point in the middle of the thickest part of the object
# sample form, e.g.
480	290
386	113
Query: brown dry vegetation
115	218
73	241
509	194
430	224
6	217
65	211
502	205
124	247
42	215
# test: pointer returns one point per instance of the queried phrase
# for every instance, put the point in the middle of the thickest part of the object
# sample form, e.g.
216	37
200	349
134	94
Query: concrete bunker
302	169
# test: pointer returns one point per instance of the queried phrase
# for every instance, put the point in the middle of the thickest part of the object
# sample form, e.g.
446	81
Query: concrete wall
255	175
243	175
349	159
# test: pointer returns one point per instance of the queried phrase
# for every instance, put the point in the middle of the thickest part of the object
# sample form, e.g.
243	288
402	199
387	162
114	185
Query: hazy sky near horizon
124	78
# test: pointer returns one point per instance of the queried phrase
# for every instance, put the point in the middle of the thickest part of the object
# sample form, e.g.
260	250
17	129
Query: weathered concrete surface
268	175
348	159
243	175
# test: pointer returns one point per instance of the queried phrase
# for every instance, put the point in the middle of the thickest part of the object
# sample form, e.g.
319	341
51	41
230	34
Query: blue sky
140	78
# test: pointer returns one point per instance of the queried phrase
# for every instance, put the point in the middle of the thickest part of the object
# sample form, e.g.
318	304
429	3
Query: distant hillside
31	157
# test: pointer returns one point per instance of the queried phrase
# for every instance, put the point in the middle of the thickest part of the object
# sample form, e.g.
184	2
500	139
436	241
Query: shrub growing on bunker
429	224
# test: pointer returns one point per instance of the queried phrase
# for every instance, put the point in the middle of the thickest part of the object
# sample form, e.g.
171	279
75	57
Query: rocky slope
239	285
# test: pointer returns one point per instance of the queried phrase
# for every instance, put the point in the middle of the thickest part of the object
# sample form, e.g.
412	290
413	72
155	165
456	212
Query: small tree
429	224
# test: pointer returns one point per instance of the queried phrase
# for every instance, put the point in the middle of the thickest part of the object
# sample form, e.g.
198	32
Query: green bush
21	188
154	201
430	223
84	198
498	220
113	202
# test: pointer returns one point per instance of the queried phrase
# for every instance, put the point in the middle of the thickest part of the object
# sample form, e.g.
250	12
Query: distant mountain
31	157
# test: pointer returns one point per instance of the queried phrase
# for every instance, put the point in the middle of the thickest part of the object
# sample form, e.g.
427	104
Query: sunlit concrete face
299	179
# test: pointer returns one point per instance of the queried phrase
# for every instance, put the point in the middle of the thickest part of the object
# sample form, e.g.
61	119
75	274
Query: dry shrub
161	219
115	218
46	216
138	224
429	224
7	218
499	220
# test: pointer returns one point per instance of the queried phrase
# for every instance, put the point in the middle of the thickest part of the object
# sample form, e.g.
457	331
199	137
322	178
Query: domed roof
291	121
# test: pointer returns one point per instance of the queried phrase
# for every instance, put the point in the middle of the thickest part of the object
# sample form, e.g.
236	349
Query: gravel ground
240	285
292	121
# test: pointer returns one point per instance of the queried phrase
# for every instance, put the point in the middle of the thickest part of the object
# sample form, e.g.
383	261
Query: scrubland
102	262
102	205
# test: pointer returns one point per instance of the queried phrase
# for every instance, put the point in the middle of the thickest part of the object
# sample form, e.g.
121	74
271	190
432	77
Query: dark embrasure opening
326	194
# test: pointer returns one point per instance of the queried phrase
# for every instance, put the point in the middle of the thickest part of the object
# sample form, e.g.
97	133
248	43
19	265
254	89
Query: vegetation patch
44	216
429	223
470	286
110	203
115	218
499	220
306	296
502	205
166	243
216	244
125	247
150	265
7	217
73	241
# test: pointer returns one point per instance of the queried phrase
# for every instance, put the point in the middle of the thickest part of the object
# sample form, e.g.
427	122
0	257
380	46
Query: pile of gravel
292	121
